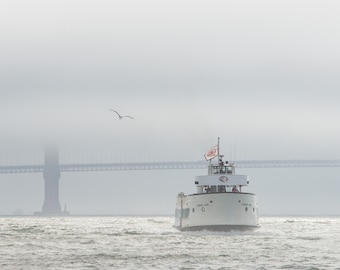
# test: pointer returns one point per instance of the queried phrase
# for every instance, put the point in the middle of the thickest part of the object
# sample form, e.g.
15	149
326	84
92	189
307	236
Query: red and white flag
211	153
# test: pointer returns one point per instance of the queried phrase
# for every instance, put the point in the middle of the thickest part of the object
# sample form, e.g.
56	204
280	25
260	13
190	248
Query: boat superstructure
219	203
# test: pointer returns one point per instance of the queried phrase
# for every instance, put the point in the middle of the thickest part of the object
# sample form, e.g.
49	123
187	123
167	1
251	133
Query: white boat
219	203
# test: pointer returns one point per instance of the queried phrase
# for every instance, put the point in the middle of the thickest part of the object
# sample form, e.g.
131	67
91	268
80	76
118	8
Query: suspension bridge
51	170
168	165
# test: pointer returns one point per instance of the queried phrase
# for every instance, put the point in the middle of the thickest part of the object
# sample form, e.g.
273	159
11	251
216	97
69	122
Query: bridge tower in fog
51	173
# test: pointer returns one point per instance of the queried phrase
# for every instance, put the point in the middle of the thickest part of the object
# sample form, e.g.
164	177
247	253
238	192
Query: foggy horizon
262	76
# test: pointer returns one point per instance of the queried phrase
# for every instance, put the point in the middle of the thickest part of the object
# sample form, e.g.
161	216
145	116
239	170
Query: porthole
203	209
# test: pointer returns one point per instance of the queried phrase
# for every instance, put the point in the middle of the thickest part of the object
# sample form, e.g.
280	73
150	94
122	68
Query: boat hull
223	211
217	228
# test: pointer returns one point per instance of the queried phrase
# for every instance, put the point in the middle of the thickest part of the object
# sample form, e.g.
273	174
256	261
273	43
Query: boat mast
218	147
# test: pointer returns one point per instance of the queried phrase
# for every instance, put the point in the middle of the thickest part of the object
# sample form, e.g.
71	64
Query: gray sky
261	75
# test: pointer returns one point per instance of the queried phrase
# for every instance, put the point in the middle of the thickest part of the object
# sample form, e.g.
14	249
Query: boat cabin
221	168
221	178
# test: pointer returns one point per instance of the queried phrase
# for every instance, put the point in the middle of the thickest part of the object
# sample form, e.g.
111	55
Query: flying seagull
121	116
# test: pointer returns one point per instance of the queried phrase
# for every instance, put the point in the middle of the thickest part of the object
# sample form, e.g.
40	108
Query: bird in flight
121	116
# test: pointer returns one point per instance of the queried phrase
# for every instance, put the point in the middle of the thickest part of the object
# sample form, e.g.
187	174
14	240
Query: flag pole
218	148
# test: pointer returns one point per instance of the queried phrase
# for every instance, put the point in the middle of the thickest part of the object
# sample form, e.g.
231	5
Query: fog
262	76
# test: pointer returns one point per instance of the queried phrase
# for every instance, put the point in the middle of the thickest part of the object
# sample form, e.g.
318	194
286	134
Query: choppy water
151	243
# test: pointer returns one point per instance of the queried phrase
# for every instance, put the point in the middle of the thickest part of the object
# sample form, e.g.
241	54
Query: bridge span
169	165
51	171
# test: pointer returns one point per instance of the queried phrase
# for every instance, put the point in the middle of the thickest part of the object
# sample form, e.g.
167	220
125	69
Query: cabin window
215	170
221	188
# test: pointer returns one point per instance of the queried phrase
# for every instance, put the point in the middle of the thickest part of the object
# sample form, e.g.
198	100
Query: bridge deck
169	165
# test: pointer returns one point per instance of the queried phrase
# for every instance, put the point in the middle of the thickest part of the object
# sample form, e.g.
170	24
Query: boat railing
219	189
221	169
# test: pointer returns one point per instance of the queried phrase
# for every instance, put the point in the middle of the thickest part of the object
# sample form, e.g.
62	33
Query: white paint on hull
217	211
